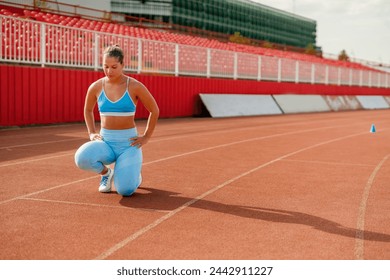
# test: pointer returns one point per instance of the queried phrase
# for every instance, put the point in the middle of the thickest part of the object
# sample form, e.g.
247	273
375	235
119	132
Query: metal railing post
208	73
259	68
313	72
43	44
177	60
235	65
96	52
139	68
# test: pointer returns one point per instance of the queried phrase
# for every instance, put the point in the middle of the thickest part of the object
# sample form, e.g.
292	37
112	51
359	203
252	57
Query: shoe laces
105	179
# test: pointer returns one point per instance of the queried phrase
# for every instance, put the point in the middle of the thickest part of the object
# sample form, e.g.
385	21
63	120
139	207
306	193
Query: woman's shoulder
132	80
96	86
134	84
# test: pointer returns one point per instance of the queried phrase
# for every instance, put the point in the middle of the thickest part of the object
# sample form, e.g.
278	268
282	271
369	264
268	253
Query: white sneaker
106	182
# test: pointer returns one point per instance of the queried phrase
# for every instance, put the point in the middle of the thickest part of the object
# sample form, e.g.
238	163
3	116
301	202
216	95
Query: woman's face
112	67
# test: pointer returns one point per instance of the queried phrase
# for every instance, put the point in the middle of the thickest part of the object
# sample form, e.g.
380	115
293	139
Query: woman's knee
86	163
92	155
126	187
82	158
126	192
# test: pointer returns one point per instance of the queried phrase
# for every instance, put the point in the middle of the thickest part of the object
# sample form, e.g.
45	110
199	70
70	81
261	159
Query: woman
118	141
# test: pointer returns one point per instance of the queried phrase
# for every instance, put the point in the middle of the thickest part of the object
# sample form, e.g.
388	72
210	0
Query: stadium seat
167	36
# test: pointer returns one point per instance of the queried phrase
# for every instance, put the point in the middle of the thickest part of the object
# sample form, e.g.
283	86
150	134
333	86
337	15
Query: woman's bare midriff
116	123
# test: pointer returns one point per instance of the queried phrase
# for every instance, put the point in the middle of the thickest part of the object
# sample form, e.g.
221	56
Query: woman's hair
115	51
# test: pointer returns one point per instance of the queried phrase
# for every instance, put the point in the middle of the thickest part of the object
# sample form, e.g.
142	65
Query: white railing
31	42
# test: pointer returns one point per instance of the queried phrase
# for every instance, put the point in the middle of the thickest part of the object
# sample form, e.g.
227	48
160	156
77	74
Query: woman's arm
89	105
143	94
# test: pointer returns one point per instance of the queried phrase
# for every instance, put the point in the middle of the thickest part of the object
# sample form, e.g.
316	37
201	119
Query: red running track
306	186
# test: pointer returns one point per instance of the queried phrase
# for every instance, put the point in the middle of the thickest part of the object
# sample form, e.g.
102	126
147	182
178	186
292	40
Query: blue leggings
115	147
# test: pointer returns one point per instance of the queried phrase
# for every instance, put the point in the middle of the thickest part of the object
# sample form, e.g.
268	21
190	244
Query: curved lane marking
359	237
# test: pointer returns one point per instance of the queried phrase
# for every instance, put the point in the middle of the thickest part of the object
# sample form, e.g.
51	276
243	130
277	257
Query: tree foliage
343	56
310	49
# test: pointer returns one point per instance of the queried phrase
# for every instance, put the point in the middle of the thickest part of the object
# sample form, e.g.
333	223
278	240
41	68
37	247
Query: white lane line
184	154
223	129
38	143
330	162
149	227
359	237
237	142
167	137
161	138
172	157
48	189
93	204
35	159
164	159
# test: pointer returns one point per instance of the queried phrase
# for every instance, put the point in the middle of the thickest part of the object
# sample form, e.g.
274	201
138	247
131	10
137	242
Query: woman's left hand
139	141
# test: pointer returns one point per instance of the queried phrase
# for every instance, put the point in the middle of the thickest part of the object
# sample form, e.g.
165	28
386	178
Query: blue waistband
119	135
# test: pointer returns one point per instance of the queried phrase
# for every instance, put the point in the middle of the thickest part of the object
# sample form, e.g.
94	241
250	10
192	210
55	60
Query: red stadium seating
166	36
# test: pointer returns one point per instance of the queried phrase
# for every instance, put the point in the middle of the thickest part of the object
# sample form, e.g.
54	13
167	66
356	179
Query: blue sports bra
123	107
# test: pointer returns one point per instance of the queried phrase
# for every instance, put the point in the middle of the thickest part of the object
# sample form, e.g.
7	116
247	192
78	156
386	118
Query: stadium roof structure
252	20
279	11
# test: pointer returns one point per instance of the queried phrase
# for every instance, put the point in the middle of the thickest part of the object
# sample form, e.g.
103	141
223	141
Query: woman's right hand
95	137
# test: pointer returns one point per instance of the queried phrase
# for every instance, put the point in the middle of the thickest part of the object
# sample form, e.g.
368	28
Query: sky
360	27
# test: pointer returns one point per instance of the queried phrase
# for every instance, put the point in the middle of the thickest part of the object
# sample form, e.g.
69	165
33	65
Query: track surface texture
291	187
